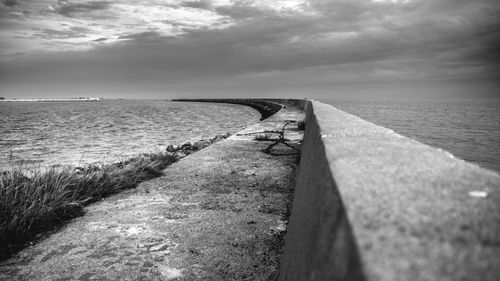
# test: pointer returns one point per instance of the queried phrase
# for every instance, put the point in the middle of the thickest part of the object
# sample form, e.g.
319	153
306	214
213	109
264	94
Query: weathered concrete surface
373	205
217	214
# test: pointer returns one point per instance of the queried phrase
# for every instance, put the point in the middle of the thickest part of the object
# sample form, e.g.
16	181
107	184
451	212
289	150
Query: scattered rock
187	144
188	147
201	144
219	137
279	228
172	148
216	139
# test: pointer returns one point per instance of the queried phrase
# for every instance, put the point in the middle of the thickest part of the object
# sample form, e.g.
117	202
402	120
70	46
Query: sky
239	48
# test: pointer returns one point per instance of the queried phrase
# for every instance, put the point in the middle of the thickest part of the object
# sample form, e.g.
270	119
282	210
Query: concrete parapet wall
373	205
318	231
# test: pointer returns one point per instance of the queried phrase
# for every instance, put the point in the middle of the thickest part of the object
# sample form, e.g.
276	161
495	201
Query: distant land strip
50	100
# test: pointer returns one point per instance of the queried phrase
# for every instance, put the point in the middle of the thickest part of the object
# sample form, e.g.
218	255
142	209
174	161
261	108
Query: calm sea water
469	129
74	133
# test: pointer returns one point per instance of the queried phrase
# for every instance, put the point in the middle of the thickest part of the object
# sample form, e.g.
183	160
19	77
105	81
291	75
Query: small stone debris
280	227
160	247
201	144
172	148
186	144
188	147
478	194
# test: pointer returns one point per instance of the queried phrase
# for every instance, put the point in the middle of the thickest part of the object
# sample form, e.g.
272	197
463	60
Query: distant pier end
264	106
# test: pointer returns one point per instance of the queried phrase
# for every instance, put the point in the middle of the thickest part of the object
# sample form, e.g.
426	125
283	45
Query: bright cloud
55	26
49	25
279	5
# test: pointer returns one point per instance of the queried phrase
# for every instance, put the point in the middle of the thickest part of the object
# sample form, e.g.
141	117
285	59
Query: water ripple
73	133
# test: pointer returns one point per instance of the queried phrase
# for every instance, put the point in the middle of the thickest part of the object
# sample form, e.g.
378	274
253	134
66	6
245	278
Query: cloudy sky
300	48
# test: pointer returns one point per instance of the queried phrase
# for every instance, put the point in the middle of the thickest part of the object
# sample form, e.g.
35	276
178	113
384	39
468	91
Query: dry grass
37	201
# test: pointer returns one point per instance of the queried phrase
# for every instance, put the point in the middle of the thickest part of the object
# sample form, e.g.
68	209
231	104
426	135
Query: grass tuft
32	202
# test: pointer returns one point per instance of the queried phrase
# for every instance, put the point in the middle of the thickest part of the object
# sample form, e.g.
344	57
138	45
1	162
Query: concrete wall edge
391	189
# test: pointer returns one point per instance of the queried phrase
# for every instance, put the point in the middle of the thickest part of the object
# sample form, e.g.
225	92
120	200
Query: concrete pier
370	204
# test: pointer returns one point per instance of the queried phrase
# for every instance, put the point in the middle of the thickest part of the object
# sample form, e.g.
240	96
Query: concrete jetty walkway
218	214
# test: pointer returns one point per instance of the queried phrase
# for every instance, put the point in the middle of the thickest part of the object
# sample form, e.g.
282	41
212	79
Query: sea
42	134
467	128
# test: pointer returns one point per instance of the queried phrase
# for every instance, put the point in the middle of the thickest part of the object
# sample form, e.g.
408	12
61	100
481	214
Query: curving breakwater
265	107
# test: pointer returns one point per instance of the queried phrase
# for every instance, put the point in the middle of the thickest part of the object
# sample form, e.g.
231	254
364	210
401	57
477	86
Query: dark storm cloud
463	37
242	11
140	36
10	3
52	33
71	9
201	4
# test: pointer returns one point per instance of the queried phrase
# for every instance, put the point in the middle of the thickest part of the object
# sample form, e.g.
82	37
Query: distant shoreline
50	100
